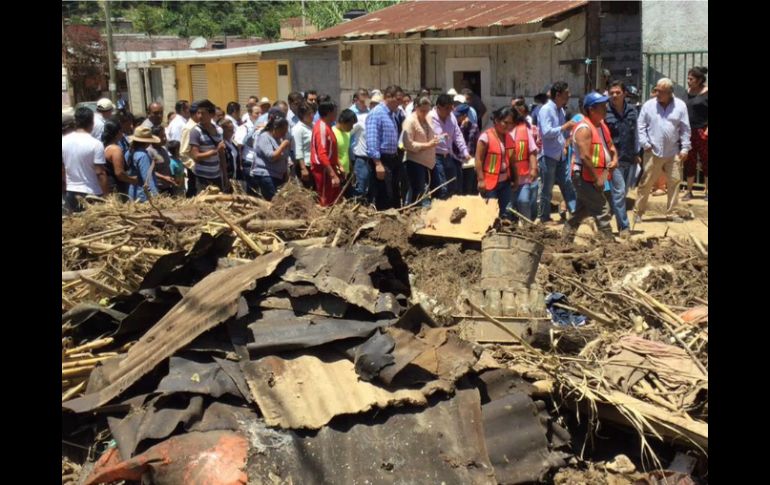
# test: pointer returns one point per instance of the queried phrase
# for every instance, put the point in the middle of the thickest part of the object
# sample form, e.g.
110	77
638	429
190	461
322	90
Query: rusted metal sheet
300	390
347	273
206	305
443	443
516	440
279	330
422	16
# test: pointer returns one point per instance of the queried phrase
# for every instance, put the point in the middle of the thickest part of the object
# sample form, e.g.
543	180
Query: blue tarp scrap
562	316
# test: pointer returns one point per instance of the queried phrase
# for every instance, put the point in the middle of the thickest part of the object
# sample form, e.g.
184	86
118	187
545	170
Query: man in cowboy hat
104	109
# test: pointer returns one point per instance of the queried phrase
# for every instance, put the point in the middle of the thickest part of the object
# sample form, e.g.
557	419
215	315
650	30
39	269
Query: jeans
453	168
525	196
418	182
618	190
387	193
72	202
555	171
628	172
362	168
590	202
504	195
439	176
265	184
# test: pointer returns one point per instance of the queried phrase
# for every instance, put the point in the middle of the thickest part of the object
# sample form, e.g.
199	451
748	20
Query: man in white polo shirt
82	158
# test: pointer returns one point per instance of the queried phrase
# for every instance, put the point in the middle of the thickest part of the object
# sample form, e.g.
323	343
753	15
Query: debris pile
241	341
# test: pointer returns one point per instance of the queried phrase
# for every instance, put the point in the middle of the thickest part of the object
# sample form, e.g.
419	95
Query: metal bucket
509	261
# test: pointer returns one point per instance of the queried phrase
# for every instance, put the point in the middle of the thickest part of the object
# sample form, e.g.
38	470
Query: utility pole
110	60
303	18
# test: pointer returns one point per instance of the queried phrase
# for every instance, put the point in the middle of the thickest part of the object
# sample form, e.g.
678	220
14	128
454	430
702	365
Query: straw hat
144	135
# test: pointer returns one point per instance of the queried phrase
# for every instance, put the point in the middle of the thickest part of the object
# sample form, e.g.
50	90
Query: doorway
467	79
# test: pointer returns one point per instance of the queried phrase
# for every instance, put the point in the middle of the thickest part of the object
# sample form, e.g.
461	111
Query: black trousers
387	193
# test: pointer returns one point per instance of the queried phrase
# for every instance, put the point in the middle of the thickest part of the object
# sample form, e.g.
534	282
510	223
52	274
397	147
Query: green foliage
260	18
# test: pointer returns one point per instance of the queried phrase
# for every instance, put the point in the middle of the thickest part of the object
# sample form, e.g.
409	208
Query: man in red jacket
324	161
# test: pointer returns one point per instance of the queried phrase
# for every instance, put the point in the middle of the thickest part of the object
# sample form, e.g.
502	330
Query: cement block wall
312	68
675	26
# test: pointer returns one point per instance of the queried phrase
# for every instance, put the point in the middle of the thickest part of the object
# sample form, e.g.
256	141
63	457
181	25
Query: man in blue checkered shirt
382	148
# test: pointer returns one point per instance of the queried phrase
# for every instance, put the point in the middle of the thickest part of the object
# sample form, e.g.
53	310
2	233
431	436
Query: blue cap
594	98
577	118
462	109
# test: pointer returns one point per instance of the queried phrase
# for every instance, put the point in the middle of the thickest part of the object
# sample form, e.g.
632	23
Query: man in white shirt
83	162
248	126
104	109
182	109
233	113
251	102
664	133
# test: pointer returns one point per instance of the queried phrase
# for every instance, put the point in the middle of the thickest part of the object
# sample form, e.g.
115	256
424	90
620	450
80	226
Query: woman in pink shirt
420	143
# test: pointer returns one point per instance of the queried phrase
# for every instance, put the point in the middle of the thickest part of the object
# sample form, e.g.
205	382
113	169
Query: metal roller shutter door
200	85
247	79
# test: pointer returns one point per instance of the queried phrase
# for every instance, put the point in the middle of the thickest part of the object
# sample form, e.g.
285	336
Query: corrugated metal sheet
247	81
243	51
200	83
206	305
442	444
307	391
421	16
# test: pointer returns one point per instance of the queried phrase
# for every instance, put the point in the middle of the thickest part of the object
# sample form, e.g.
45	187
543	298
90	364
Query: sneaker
625	234
687	196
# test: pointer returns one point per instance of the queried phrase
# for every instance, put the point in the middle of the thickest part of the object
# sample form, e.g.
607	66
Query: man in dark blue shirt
621	120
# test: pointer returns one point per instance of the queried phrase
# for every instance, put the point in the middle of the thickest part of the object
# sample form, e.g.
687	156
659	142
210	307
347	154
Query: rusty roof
431	15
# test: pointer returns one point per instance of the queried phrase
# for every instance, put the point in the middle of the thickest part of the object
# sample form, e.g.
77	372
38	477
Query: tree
328	14
85	57
149	20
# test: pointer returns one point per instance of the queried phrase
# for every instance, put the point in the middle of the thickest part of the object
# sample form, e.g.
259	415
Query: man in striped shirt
382	147
207	149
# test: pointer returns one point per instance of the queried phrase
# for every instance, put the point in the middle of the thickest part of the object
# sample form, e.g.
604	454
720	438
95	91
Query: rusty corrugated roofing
209	303
430	15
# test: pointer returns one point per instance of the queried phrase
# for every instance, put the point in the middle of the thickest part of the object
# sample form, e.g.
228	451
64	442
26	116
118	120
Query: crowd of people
389	149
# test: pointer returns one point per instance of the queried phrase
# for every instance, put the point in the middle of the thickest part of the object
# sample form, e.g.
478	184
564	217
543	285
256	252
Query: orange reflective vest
598	155
495	159
521	139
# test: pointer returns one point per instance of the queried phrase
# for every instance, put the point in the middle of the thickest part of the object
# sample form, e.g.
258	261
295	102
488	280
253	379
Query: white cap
452	92
459	99
104	104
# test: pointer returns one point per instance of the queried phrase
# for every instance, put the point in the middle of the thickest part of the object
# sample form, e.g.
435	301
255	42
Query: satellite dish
198	43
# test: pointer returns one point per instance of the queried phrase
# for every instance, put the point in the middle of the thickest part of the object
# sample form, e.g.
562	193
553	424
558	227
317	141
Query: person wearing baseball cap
594	156
104	109
141	165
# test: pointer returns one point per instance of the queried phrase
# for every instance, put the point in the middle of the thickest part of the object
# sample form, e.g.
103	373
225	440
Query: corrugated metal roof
209	303
431	15
241	51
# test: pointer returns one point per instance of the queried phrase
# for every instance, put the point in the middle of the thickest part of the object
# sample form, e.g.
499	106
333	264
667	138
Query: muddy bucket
509	261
